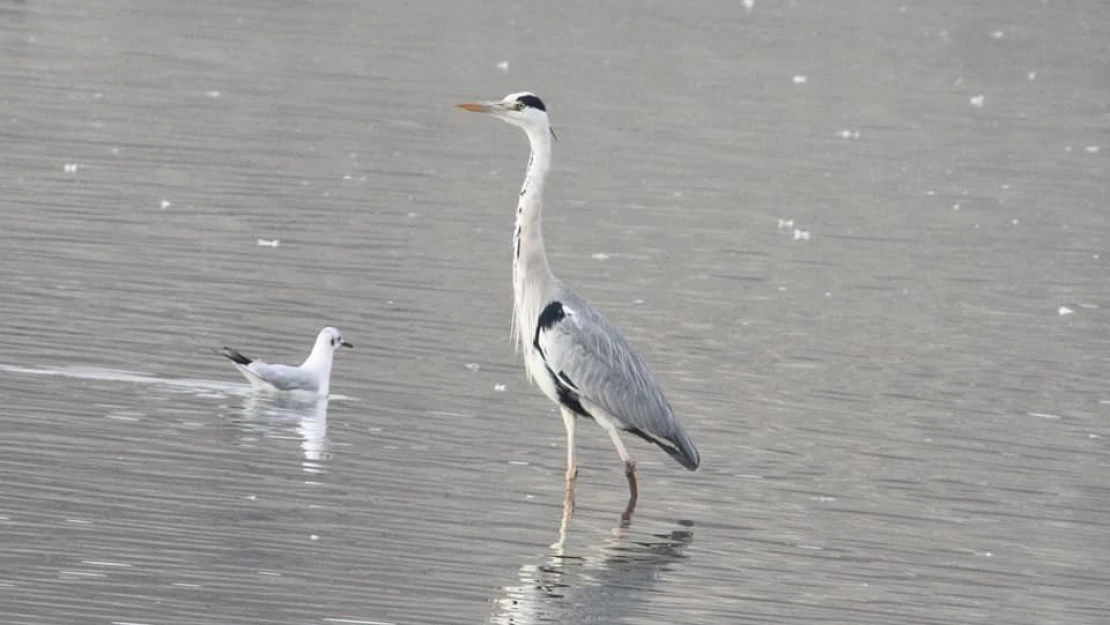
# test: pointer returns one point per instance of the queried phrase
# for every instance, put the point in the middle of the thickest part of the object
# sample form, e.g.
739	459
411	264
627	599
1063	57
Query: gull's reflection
603	584
279	416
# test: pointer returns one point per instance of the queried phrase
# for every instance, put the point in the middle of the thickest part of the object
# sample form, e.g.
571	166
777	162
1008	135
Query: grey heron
577	358
313	375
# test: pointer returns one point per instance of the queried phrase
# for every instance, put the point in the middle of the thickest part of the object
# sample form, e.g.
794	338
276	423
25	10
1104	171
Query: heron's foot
633	493
568	492
564	523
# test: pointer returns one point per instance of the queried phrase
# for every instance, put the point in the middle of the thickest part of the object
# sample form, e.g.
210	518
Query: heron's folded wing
596	362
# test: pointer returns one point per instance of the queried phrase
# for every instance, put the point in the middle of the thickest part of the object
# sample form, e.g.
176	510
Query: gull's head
523	109
330	337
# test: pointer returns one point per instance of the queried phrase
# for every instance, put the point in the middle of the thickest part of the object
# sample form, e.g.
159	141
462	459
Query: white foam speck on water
848	134
212	94
503	66
1044	415
600	256
978	100
799	80
71	168
1092	149
786	223
801	235
314	537
1064	311
998	34
351	621
269	242
500	388
166	204
748	4
1031	76
105	563
473	366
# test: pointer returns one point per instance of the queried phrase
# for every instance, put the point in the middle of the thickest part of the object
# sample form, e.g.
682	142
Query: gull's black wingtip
234	356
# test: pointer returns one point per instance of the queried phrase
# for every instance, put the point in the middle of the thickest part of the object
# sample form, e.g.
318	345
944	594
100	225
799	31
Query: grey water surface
862	244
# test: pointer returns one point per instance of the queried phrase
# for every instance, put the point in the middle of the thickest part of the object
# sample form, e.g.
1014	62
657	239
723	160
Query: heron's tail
234	356
678	446
682	449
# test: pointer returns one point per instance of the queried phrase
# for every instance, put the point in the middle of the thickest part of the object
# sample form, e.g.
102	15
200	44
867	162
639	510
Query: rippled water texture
863	245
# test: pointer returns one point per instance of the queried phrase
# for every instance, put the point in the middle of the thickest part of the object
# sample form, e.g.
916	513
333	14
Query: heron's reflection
601	584
278	416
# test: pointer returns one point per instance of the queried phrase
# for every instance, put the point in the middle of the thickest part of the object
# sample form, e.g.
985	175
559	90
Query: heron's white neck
531	273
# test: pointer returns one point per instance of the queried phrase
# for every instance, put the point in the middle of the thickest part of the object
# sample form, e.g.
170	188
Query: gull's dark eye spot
519	106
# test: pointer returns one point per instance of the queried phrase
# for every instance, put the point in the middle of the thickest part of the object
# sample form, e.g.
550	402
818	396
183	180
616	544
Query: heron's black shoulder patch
532	101
553	313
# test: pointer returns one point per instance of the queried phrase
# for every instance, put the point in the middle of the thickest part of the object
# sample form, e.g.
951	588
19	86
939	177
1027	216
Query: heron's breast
538	372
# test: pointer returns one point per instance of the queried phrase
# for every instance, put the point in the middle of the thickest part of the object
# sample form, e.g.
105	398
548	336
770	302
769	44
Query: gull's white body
312	376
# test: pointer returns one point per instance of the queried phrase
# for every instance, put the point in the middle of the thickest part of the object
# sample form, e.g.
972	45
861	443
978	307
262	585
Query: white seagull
313	375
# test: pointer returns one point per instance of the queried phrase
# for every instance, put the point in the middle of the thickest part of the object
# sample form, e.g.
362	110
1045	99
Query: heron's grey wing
285	377
592	361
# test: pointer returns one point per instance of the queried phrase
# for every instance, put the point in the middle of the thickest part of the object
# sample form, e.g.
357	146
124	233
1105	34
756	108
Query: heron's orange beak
478	107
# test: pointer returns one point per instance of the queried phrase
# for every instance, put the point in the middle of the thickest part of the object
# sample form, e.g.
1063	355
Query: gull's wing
593	365
266	376
284	377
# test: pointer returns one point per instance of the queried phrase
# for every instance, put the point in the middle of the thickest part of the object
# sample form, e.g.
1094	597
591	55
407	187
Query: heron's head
332	338
522	109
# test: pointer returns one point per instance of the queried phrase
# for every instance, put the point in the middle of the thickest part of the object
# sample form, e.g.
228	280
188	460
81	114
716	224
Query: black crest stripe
532	101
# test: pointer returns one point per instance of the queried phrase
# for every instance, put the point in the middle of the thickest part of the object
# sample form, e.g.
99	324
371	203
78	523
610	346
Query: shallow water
863	246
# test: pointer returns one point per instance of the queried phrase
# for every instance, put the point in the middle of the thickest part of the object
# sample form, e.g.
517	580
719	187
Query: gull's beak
482	107
346	344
